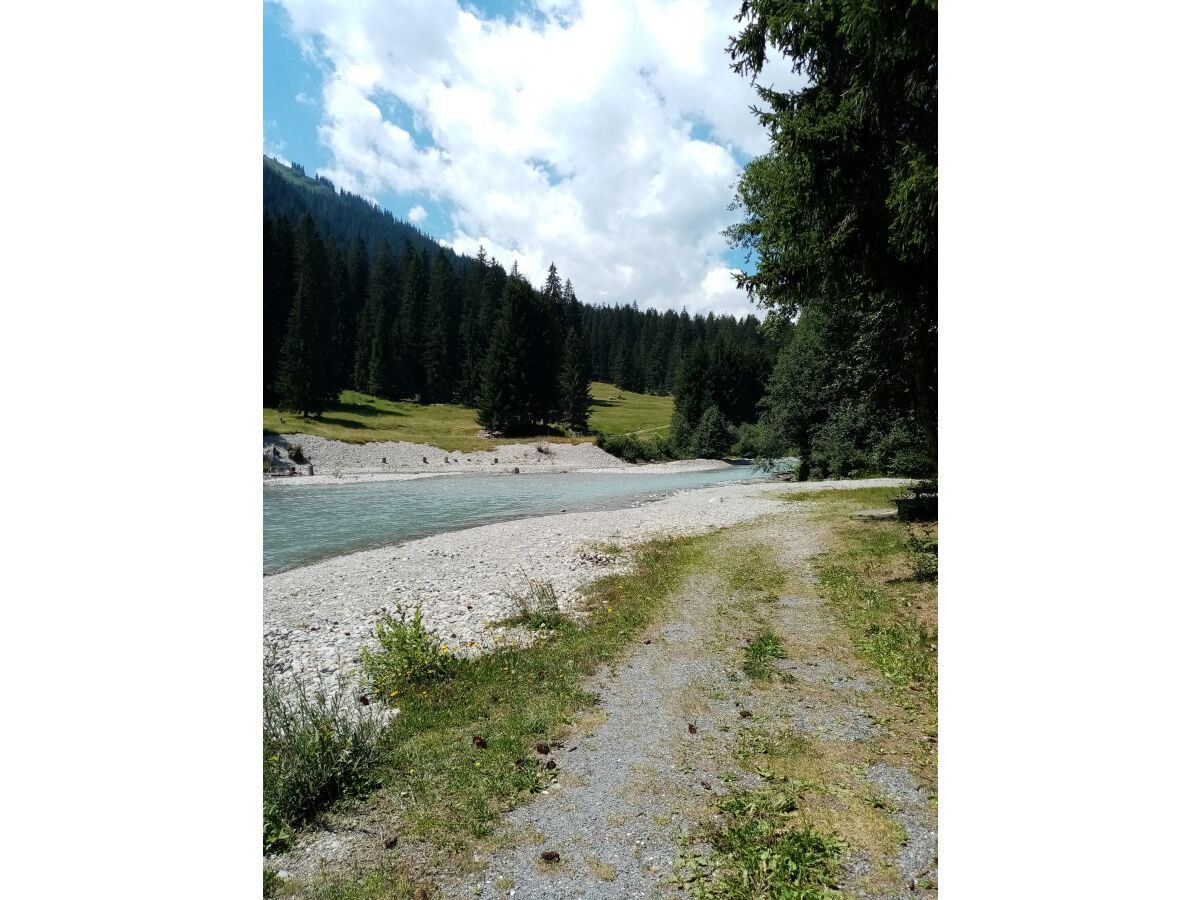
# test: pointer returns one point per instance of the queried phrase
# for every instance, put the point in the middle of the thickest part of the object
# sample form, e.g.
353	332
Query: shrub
267	462
408	655
901	451
629	448
316	750
801	470
296	453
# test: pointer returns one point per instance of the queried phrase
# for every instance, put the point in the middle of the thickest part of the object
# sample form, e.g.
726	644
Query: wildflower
393	693
477	764
412	771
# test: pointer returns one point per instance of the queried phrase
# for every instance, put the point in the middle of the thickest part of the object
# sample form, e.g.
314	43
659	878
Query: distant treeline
406	325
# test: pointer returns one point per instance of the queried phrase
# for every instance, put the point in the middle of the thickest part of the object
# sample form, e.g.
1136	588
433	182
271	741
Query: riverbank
317	618
338	462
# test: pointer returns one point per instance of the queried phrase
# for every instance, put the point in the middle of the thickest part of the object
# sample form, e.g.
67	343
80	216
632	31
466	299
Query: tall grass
317	749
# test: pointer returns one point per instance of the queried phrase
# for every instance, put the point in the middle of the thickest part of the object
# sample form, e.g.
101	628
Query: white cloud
573	140
417	214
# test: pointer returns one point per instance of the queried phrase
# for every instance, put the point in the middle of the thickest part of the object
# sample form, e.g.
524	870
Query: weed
923	556
537	607
296	453
760	652
316	750
760	851
271	882
409	656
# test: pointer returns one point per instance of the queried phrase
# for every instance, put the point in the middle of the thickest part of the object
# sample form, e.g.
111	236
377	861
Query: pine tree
577	398
374	356
279	289
304	383
713	436
505	395
435	357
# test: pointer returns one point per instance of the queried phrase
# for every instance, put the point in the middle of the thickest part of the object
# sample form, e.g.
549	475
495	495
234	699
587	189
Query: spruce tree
305	383
577	398
505	396
436	354
713	437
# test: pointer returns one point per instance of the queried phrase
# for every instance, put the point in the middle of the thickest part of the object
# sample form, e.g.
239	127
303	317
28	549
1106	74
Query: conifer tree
505	395
713	436
436	355
577	398
374	358
279	290
304	383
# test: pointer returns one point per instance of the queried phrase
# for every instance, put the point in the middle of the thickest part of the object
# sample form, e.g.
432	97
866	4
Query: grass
616	411
882	581
360	418
761	653
759	851
537	608
315	753
441	788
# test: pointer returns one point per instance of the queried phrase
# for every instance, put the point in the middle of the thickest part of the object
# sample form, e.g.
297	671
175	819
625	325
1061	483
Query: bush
758	440
316	750
408	656
629	448
901	451
296	453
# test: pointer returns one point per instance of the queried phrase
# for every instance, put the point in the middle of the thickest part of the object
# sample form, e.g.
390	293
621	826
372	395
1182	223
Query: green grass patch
882	581
753	570
445	785
538	608
760	850
359	418
616	411
761	653
315	753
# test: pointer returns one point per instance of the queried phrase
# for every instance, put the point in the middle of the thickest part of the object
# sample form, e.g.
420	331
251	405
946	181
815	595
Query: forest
356	299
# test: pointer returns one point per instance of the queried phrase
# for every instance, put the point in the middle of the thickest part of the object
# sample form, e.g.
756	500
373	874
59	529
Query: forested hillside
355	299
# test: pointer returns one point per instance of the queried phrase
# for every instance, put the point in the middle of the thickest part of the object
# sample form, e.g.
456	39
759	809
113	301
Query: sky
605	136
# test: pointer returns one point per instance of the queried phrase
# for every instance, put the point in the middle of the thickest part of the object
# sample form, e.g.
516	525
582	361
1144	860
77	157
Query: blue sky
602	136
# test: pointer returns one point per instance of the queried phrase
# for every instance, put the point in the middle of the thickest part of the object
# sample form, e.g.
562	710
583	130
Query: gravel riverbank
317	618
337	462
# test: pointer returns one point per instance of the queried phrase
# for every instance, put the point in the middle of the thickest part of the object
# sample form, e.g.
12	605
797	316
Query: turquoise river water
303	524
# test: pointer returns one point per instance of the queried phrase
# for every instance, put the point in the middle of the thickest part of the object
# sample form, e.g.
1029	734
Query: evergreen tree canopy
842	210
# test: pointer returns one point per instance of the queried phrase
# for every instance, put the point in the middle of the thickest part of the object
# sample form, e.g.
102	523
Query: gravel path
635	786
316	618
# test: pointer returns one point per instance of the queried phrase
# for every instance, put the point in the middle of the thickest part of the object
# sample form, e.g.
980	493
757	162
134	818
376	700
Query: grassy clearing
623	412
464	749
359	418
882	581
